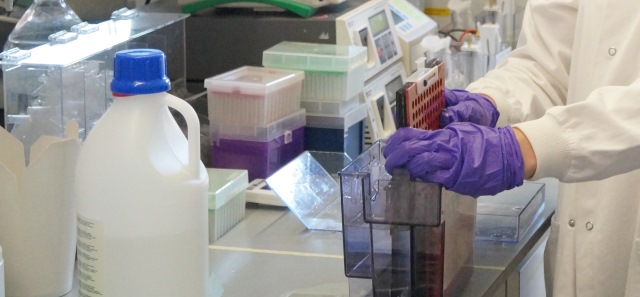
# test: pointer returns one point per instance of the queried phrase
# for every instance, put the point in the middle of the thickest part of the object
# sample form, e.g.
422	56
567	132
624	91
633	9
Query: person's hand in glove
464	157
463	106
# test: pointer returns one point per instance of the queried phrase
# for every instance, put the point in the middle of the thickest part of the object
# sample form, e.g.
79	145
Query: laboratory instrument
142	204
256	122
380	94
408	238
380	122
332	73
412	26
42	18
340	24
233	27
370	26
506	216
226	200
51	85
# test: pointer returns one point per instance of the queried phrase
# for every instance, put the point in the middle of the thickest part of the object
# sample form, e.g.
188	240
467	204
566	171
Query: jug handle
193	132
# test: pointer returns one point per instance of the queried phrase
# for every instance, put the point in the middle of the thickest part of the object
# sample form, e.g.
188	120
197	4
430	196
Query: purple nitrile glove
464	157
463	106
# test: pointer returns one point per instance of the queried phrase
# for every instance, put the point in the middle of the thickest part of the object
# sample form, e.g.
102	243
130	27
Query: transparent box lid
251	80
338	121
310	192
107	35
506	216
258	133
336	108
314	56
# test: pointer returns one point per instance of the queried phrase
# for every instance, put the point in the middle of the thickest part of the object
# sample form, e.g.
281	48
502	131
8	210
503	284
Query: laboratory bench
271	253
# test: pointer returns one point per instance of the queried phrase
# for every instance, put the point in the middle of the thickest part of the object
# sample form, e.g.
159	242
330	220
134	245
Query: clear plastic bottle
142	191
43	18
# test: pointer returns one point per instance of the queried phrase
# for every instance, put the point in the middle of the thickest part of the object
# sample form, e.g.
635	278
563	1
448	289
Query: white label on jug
90	235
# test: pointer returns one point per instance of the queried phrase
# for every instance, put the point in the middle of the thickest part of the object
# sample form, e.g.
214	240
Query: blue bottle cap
140	71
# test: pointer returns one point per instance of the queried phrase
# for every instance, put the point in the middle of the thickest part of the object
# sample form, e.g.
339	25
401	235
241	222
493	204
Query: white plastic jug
142	191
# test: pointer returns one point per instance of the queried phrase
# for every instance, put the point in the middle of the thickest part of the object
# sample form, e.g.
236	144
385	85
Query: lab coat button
572	223
589	226
612	51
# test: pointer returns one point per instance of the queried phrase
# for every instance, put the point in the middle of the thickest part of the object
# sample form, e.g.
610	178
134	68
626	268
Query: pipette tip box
330	107
226	200
253	95
260	150
332	72
336	133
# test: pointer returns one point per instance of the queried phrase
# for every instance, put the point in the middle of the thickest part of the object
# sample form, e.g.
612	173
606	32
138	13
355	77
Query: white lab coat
574	83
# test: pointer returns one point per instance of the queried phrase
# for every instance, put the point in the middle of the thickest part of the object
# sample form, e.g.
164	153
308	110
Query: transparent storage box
343	122
364	182
337	133
408	237
249	132
330	107
68	79
253	95
507	215
226	200
260	150
332	72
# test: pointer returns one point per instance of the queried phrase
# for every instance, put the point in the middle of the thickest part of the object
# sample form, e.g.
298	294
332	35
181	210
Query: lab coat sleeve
535	75
589	140
593	138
